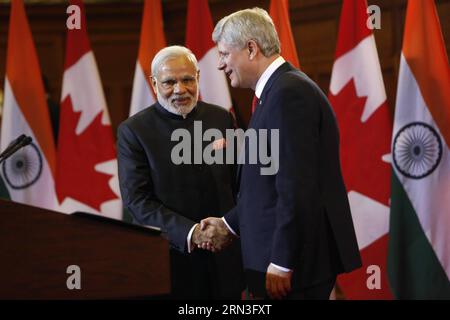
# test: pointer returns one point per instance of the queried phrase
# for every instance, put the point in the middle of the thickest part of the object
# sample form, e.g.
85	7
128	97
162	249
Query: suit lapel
285	67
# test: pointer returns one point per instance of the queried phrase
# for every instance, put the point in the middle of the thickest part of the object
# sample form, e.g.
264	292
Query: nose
179	87
221	65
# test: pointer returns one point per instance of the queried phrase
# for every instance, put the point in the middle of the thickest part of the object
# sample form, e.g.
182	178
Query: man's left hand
278	283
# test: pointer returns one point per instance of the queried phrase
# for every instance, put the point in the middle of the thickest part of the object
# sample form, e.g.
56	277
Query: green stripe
4	194
414	269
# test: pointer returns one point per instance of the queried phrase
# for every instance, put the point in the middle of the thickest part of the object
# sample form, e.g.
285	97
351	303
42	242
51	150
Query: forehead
177	66
224	47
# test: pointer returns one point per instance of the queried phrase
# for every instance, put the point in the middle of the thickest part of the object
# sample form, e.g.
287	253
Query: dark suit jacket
298	218
175	197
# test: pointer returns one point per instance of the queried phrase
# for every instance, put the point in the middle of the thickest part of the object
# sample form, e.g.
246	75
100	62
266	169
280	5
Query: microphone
12	143
20	142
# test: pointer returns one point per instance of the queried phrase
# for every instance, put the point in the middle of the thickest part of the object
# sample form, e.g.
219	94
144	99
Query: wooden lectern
116	260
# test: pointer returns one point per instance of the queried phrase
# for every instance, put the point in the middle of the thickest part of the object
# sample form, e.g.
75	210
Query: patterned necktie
254	103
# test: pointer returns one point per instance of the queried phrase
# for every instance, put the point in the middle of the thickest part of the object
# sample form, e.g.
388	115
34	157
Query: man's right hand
212	234
223	236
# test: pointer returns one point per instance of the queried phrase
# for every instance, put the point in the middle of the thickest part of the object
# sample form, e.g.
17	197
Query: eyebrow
166	78
169	78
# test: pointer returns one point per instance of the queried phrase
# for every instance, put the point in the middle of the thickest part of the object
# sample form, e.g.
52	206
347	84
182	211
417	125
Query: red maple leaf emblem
79	154
363	144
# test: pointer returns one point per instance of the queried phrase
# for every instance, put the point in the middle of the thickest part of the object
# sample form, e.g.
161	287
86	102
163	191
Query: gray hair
170	53
249	24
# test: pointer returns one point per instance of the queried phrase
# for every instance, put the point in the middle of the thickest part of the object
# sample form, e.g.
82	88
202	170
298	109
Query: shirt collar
266	75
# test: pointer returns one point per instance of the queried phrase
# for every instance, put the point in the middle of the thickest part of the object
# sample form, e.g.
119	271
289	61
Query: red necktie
254	103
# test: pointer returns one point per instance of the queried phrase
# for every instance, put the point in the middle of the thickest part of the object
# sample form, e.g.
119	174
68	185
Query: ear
153	81
252	48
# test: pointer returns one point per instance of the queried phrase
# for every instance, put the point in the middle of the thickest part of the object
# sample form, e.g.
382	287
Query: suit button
238	195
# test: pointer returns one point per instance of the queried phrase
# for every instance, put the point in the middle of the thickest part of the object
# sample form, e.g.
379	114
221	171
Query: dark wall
114	29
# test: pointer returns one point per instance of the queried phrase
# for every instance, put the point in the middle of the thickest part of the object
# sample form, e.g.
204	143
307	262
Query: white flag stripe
430	195
11	115
368	227
361	64
141	96
42	192
85	92
213	84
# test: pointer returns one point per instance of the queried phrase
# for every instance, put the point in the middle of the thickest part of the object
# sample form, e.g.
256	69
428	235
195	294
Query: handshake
212	234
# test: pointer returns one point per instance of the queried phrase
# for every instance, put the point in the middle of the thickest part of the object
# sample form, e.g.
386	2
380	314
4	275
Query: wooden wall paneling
444	18
118	54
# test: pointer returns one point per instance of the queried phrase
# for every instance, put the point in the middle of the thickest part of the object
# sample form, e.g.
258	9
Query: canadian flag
358	97
86	178
279	12
213	84
152	40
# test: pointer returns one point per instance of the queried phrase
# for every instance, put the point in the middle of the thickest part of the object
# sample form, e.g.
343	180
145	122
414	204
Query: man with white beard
176	197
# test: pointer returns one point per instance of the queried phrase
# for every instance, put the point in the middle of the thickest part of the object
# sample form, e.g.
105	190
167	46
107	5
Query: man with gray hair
176	197
295	226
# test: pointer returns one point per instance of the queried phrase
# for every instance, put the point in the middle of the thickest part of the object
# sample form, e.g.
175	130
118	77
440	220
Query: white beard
182	110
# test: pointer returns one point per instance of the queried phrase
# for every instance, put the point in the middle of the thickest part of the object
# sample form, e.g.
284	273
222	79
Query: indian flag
279	12
152	40
419	243
28	174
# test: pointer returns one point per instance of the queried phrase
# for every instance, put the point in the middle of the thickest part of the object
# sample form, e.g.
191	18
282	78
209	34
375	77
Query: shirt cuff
189	237
280	268
229	228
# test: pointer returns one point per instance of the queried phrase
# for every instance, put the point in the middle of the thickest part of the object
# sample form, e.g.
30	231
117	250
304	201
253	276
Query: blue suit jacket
298	218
